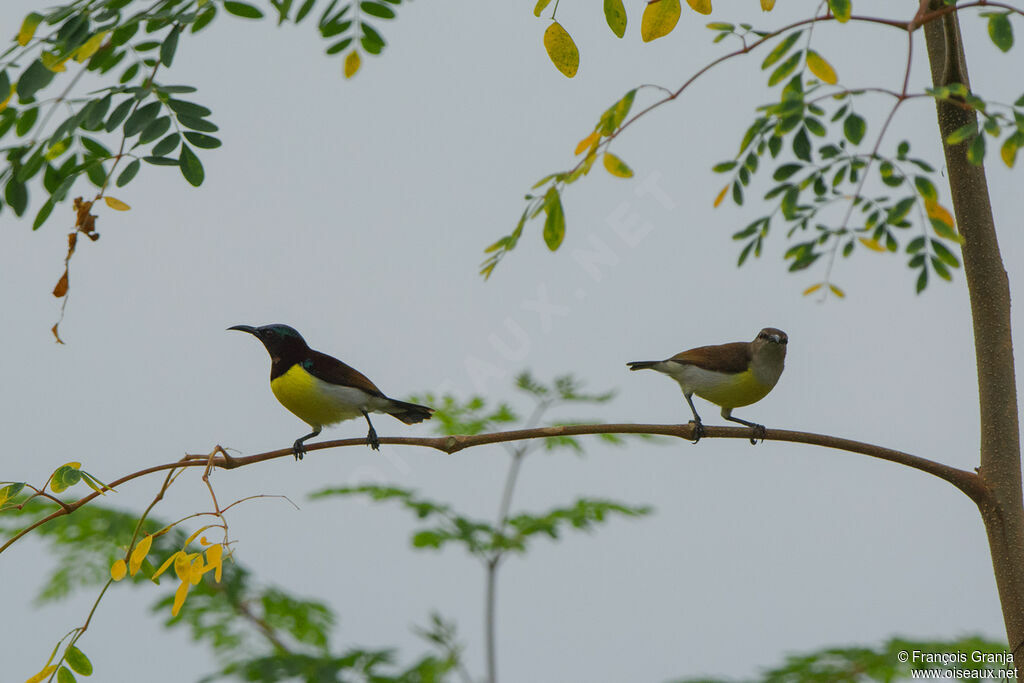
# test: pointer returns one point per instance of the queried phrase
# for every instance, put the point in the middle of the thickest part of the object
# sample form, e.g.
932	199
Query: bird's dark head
280	340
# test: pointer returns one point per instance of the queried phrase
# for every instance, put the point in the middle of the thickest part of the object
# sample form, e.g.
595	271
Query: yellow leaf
54	63
539	7
90	47
56	149
838	292
215	560
42	675
660	17
871	244
116	204
721	196
28	28
561	49
616	166
767	5
352	62
179	598
196	569
173	559
587	142
73	465
701	6
139	554
183	565
118	570
7	100
812	289
1008	151
821	68
939	212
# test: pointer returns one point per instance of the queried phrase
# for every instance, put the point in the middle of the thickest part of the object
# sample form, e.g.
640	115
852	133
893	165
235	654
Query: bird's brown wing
332	370
731	358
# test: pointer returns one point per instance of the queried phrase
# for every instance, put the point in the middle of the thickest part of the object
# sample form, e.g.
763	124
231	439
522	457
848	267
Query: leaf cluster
259	633
883	663
480	538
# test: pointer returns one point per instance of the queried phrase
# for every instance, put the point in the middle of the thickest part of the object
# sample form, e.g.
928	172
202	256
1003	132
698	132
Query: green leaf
1000	30
64	675
840	9
802	145
962	133
197	124
554	223
141	118
304	10
925	187
128	173
377	10
155	130
371	41
205	17
190	166
167	145
854	128
169	45
77	660
241	9
16	196
118	115
161	161
202	141
785	69
944	254
26	120
780	50
44	213
32	79
615	15
182	107
922	280
976	150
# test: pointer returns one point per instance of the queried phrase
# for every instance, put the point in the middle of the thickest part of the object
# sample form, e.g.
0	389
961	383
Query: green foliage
819	189
480	538
550	200
884	663
136	116
258	633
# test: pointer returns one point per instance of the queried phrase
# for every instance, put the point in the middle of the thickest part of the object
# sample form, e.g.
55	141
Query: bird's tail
642	364
409	413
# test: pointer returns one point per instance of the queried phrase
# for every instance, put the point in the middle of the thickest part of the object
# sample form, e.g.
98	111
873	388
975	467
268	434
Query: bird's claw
372	439
698	430
759	433
298	450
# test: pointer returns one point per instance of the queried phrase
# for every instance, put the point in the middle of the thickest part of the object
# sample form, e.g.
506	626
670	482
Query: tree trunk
988	286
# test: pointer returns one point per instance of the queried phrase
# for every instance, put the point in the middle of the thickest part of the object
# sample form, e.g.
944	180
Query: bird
321	390
728	375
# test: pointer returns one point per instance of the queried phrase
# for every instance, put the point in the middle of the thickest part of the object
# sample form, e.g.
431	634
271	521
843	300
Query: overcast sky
357	212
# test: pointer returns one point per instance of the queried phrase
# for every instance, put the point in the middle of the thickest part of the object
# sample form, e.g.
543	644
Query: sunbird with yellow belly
728	375
322	390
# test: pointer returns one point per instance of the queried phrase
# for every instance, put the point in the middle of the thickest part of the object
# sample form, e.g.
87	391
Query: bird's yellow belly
311	399
734	391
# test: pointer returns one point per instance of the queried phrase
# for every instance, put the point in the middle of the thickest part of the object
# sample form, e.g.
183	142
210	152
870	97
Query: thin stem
492	564
968	482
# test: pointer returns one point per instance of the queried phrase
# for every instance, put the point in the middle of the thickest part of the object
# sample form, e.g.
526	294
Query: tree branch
968	482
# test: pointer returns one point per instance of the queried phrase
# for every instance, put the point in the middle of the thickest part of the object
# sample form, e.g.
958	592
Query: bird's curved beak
244	328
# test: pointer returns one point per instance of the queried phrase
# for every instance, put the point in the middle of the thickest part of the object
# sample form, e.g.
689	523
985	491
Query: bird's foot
698	430
759	433
372	440
298	450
